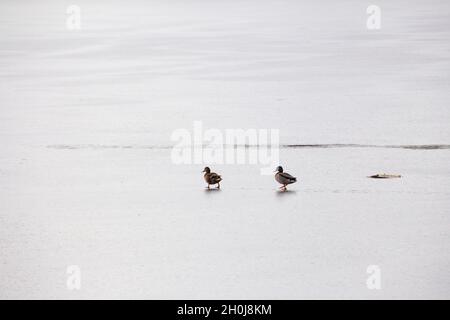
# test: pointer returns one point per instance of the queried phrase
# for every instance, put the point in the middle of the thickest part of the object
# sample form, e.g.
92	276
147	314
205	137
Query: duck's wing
215	177
288	177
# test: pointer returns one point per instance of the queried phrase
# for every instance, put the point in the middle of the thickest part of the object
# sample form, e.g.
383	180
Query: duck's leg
218	185
284	187
208	185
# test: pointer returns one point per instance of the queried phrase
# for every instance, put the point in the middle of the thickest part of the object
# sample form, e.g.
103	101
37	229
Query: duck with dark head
211	177
284	178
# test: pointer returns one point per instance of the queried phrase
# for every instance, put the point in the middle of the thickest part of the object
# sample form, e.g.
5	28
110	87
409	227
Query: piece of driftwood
385	176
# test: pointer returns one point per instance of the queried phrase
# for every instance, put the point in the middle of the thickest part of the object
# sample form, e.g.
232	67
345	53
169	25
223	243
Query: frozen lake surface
138	227
87	179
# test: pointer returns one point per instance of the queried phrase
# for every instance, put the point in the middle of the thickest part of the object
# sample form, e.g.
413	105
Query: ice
87	179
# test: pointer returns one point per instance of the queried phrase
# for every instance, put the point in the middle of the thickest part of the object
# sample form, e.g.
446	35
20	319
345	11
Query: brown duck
284	178
212	177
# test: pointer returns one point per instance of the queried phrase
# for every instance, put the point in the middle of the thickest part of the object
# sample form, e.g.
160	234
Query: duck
211	177
284	178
